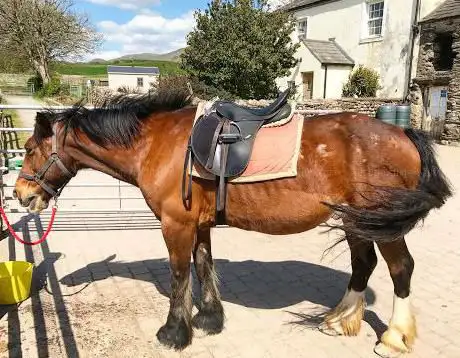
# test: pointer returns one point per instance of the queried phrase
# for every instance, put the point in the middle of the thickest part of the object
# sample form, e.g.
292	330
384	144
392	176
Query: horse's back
338	151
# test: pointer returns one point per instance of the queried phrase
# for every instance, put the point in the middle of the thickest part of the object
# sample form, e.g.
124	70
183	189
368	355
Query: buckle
229	138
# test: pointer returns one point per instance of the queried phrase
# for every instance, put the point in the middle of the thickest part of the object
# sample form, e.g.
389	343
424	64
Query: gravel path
27	116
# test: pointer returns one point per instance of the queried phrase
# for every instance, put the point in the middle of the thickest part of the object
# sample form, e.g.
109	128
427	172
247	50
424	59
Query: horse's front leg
179	238
210	318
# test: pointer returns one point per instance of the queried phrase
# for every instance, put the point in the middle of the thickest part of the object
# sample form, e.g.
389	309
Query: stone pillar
416	106
452	127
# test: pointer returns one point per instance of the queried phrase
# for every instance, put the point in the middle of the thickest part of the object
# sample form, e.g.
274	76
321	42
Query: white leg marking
345	319
402	313
401	332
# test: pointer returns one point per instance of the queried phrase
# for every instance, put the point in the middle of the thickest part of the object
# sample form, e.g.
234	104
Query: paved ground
106	291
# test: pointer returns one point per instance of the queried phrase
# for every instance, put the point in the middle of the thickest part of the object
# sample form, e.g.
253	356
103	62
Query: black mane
117	121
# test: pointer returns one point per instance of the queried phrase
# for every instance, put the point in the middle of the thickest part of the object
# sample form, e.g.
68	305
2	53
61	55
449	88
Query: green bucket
403	116
387	113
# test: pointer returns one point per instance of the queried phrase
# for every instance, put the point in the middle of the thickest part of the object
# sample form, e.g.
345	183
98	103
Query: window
375	18
302	29
140	82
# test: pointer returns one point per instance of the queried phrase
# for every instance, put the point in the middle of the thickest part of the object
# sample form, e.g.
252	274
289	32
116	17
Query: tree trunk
43	71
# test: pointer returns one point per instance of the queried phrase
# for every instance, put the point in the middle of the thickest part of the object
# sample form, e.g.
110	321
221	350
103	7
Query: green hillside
100	70
170	56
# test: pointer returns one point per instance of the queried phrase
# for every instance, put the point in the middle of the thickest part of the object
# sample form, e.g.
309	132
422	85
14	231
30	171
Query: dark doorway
443	54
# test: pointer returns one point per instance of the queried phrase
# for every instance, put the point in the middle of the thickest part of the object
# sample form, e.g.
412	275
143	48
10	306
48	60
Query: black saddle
222	141
270	114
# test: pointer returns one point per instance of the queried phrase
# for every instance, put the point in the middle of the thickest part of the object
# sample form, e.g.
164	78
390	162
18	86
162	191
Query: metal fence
12	151
18	89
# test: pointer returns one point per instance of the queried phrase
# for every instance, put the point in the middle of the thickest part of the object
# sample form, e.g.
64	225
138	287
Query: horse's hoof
386	352
176	336
210	321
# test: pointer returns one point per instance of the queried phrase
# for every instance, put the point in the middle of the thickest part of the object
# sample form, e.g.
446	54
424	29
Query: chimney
332	39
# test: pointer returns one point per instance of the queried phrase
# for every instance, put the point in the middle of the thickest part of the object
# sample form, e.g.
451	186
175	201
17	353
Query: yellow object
15	280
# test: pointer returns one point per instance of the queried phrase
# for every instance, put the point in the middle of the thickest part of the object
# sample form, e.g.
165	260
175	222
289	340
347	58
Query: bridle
53	159
39	179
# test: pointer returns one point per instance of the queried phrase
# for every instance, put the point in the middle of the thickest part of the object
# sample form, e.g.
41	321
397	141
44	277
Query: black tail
396	211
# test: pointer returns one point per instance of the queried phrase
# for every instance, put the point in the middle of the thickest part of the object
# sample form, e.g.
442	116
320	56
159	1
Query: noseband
53	159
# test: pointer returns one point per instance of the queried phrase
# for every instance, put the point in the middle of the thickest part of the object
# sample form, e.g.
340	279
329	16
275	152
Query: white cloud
146	32
127	4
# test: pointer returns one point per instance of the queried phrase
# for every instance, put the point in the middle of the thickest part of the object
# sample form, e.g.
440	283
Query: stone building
436	87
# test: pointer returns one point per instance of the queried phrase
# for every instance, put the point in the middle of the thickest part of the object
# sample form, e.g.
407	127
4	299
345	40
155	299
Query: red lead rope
43	238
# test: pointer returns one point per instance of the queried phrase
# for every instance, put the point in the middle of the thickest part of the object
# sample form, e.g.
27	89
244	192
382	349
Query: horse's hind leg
401	332
345	318
179	238
210	317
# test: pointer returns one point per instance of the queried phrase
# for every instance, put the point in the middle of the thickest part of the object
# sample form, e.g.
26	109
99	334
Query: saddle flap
208	153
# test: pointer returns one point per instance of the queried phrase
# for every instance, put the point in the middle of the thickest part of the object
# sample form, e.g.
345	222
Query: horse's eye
28	150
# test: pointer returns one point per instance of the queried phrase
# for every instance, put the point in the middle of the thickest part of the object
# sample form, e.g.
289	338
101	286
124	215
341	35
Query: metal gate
91	200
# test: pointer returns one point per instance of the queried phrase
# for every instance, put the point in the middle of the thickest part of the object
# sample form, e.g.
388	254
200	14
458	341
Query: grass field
100	70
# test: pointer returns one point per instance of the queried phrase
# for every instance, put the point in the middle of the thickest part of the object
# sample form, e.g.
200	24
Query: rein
39	179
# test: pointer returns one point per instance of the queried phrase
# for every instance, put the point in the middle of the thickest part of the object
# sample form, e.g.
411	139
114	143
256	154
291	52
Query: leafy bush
363	82
174	86
36	81
207	92
53	88
128	90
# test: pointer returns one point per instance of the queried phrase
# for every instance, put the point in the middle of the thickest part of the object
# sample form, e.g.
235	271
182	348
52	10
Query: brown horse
381	179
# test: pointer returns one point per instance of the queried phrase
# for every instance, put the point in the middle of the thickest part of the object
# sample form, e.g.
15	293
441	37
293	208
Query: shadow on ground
256	284
44	278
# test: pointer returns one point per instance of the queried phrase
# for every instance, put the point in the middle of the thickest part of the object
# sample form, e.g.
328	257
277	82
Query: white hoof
386	352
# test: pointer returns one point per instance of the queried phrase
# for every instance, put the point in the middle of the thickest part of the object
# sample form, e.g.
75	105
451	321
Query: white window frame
302	35
365	35
142	82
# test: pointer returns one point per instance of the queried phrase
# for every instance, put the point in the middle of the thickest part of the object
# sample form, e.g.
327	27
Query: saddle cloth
275	152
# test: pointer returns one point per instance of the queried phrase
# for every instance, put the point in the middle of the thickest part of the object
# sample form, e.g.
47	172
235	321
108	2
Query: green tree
241	47
44	31
13	62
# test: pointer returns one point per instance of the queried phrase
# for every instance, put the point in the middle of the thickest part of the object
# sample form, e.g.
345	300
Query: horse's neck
120	163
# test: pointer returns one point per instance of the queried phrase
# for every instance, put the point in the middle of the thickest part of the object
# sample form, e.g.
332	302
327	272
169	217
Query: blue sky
137	26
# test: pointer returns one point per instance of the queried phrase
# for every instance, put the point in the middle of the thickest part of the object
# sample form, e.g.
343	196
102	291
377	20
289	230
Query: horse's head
46	167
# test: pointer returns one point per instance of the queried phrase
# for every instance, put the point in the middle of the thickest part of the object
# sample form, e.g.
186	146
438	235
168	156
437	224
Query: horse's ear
43	126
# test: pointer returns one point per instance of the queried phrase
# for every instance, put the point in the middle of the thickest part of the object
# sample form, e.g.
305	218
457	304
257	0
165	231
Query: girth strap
214	142
187	194
221	195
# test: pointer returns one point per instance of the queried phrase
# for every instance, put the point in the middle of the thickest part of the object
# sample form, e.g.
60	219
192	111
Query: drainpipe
325	80
413	34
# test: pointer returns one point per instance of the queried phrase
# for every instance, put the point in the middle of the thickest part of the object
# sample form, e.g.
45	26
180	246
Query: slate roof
297	4
328	52
448	9
133	70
